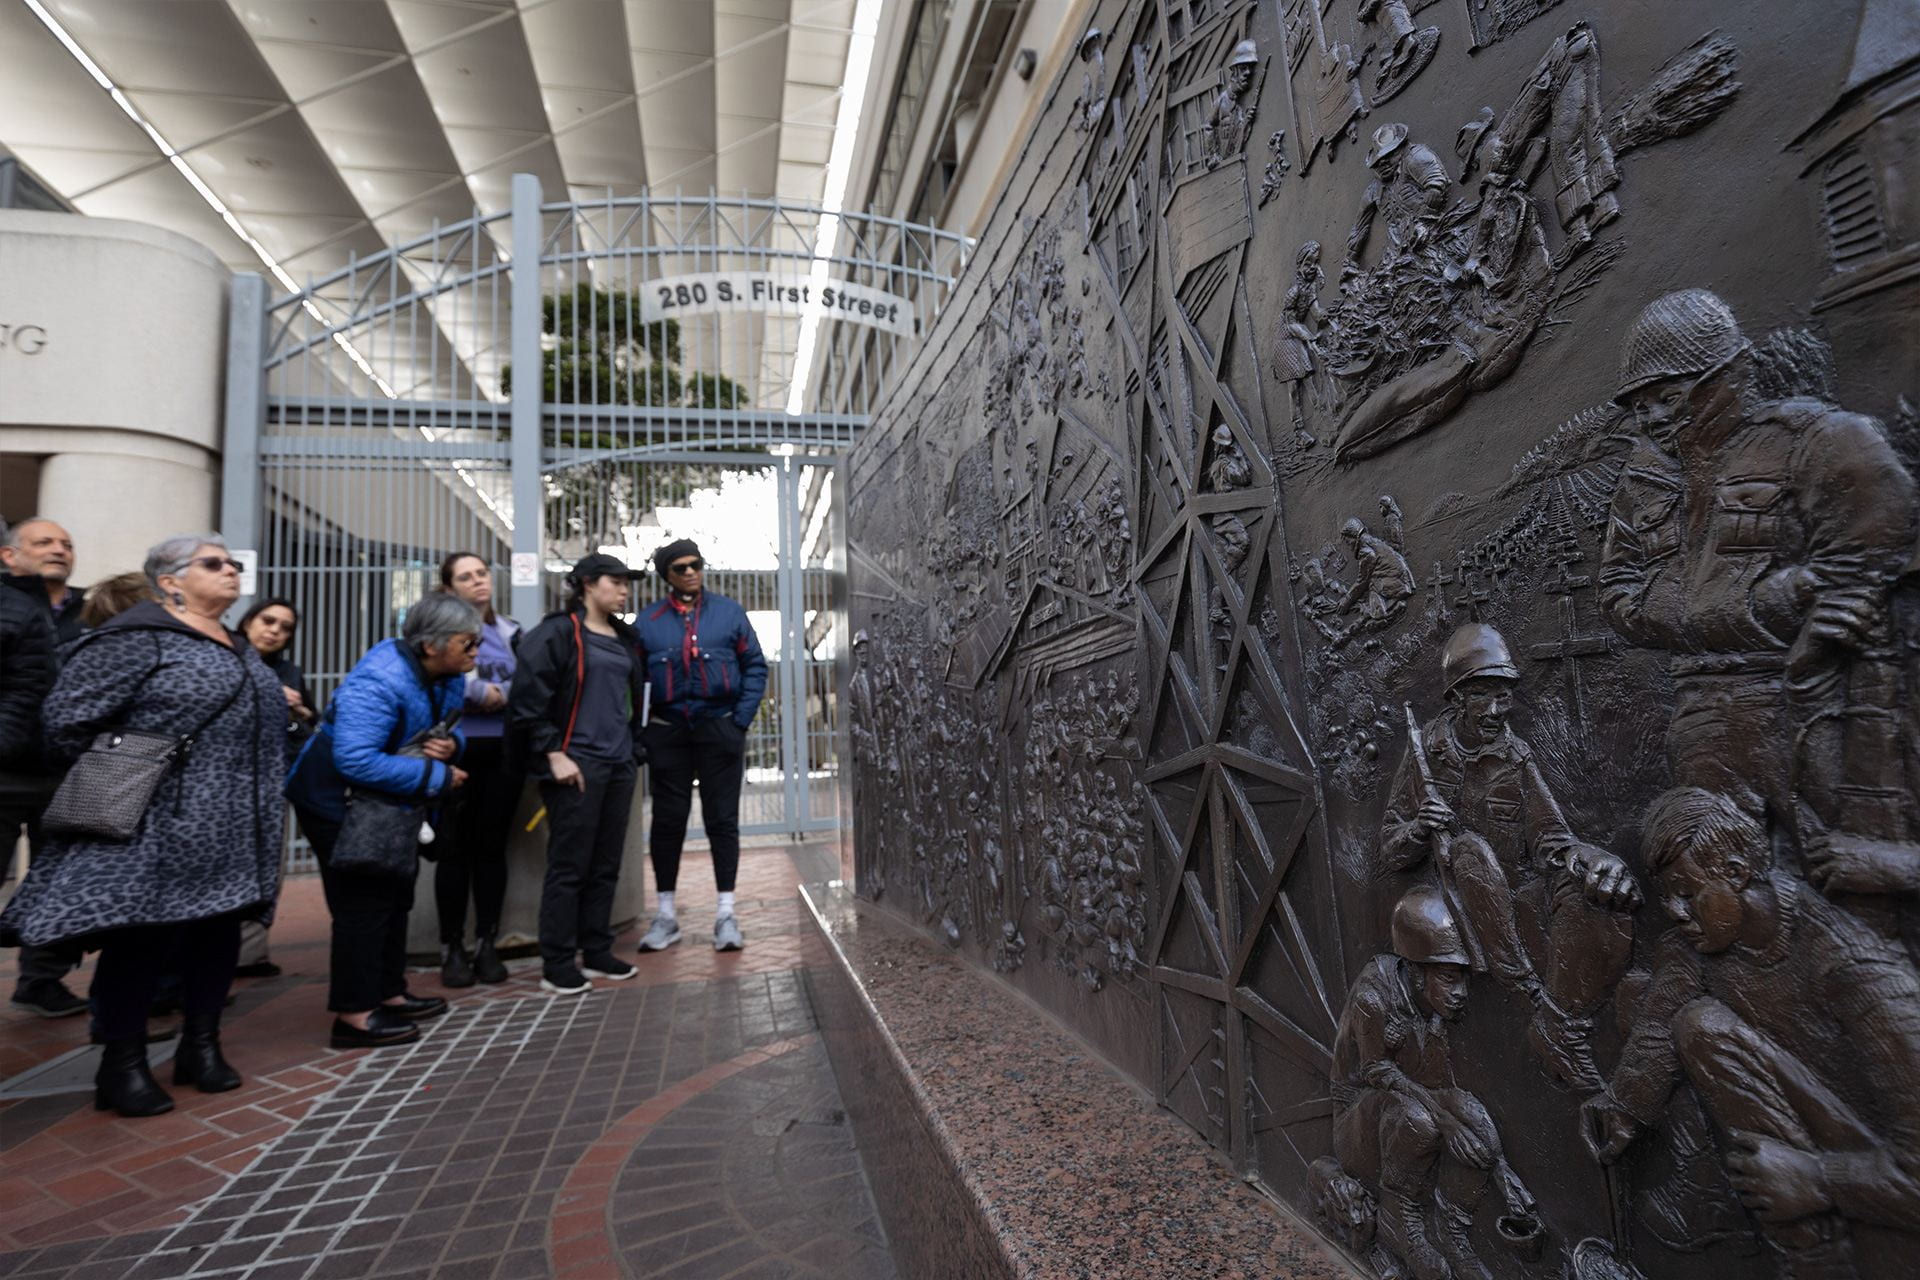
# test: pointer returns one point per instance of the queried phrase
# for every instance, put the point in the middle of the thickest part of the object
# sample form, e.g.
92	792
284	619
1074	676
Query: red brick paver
70	1175
581	1244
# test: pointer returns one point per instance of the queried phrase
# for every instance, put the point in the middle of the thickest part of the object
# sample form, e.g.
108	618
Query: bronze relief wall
1391	602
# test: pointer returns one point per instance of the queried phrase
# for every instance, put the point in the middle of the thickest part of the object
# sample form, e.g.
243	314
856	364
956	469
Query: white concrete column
116	399
117	506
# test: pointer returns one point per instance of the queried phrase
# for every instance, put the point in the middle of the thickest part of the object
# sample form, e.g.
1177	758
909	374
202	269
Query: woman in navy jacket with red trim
707	676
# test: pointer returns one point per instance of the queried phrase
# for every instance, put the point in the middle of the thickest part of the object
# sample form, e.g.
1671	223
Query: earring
179	599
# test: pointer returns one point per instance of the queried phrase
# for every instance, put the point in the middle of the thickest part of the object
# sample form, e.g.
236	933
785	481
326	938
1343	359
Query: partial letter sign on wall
24	339
775	293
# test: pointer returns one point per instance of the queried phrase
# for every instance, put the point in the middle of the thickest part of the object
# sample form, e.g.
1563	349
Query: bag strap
245	681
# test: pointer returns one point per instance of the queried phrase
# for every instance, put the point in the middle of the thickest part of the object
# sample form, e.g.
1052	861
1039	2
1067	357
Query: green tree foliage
598	350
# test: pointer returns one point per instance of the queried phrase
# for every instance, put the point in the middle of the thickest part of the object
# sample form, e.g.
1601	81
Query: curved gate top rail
432	318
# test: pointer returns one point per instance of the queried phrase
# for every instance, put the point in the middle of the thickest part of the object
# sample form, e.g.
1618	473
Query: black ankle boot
198	1061
486	961
455	969
124	1083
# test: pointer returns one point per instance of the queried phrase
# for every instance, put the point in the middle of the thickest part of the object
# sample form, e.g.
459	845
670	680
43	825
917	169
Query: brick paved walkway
523	1136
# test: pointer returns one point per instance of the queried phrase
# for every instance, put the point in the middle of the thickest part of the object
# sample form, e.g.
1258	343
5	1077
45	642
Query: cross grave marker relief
1390	602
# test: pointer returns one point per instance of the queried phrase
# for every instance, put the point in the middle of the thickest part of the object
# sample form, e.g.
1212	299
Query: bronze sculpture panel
1408	636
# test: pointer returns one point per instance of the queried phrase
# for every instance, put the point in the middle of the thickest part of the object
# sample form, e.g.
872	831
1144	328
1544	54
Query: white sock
666	905
726	905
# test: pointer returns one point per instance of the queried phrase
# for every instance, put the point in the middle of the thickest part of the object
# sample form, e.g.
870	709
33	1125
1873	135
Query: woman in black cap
576	710
708	676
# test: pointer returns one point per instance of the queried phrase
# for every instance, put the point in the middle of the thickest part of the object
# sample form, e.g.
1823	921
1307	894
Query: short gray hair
11	536
437	619
170	555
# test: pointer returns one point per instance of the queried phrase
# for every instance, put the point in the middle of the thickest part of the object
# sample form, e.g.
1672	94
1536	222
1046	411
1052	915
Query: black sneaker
46	997
564	980
486	963
455	969
608	966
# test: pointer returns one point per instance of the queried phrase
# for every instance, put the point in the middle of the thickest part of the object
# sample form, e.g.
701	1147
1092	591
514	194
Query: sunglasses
687	566
213	564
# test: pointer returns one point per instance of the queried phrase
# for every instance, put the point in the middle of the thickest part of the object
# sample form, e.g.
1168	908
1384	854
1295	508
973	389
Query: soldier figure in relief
1229	124
1382	582
1798	1027
1229	469
1405	1134
1409	189
1755	541
1473	799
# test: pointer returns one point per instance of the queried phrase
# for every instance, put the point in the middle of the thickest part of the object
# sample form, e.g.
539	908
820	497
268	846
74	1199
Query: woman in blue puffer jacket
399	691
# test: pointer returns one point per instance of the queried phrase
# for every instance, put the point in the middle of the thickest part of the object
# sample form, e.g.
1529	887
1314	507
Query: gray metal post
246	407
524	452
793	697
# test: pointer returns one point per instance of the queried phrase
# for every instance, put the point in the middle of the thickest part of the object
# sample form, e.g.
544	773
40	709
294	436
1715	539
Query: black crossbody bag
380	835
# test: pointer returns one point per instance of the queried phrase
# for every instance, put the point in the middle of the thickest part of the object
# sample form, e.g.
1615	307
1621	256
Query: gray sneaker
661	934
726	934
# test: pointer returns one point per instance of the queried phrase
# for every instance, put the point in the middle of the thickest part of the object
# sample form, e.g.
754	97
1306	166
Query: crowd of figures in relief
1391	603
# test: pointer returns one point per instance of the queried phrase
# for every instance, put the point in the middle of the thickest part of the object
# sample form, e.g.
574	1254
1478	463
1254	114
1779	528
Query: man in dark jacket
707	675
575	712
27	668
38	556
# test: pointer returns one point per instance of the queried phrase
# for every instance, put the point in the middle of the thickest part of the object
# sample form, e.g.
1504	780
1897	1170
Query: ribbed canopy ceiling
338	127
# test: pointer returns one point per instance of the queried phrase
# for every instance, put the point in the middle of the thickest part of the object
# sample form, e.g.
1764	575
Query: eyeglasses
212	564
687	566
468	643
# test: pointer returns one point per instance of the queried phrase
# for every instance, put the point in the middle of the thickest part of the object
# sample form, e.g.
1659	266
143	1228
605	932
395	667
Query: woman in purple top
475	857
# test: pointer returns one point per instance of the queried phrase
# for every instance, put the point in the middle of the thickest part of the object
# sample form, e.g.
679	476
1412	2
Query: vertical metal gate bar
792	702
245	414
523	319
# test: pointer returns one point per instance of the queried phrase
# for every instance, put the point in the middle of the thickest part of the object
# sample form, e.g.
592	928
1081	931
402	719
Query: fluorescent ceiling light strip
853	94
219	206
214	202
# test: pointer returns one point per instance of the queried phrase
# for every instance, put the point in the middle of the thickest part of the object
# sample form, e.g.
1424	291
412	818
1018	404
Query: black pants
586	834
713	753
21	802
473	845
133	960
368	963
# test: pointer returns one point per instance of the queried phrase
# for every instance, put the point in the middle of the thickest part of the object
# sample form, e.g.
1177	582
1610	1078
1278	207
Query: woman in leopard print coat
207	852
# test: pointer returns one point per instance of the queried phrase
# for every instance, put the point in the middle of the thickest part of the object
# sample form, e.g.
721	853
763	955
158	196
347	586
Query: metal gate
435	399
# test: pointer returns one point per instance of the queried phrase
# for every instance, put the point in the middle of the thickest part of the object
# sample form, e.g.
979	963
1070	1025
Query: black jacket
65	619
27	668
544	700
292	677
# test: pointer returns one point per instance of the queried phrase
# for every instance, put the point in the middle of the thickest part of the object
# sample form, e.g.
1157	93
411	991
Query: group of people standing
425	748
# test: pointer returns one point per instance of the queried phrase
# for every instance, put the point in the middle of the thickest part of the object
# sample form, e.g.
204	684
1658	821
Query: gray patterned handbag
110	787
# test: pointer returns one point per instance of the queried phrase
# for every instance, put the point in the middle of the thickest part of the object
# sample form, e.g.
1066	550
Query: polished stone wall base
998	1145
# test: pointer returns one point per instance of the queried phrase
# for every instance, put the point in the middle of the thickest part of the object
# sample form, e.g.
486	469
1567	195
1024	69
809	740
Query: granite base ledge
998	1145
